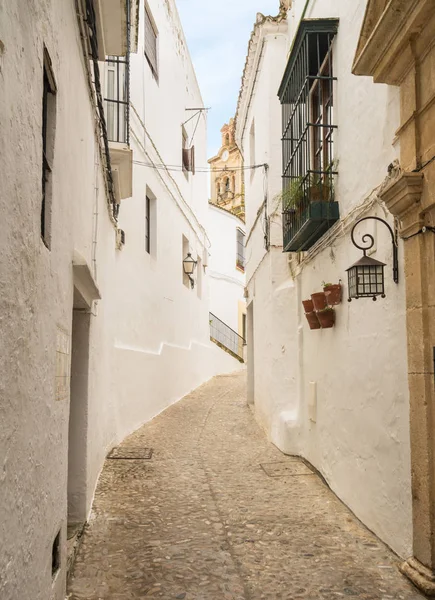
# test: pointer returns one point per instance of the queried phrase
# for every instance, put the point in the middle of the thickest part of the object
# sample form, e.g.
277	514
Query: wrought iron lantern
189	266
366	277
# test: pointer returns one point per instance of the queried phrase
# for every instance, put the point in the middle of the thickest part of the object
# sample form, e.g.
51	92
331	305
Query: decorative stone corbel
403	199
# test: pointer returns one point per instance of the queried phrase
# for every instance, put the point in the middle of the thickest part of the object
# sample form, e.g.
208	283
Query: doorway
78	417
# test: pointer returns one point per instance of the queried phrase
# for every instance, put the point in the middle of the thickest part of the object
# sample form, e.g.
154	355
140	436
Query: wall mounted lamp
189	266
366	277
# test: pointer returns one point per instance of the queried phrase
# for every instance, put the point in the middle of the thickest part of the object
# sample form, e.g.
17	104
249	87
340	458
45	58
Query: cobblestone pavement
218	513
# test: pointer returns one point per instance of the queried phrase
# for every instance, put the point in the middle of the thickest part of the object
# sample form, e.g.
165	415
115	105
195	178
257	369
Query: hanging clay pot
333	294
326	318
319	300
313	321
308	305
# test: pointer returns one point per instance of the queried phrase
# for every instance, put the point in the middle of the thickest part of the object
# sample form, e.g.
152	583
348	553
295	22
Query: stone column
403	199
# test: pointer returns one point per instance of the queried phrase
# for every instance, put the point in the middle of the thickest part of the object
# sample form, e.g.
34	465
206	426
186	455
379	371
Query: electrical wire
179	168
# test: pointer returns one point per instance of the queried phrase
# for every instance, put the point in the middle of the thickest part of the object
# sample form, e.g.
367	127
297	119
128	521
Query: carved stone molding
403	199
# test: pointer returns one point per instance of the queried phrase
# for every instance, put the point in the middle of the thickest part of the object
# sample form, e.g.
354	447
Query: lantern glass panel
352	279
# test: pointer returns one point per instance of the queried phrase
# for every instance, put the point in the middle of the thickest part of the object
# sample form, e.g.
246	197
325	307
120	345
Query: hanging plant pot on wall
308	306
326	318
319	300
332	293
312	319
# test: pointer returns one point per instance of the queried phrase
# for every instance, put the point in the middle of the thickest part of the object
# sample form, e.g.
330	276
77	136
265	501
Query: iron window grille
118	98
151	46
306	95
240	250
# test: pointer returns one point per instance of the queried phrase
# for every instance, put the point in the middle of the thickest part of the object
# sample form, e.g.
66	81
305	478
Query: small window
55	555
48	136
227	184
188	155
240	250
148	224
151	43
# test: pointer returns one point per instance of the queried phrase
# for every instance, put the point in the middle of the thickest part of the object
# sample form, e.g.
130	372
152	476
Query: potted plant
326	317
292	196
312	319
308	306
332	293
319	300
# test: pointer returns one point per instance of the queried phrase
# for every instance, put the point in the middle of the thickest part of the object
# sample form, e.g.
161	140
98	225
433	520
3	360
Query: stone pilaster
404	200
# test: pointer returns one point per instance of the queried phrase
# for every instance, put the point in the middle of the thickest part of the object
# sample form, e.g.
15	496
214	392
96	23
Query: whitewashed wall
162	347
227	282
359	439
36	290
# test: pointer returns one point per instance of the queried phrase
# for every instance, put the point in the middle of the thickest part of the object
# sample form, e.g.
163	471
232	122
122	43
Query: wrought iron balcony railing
221	333
309	210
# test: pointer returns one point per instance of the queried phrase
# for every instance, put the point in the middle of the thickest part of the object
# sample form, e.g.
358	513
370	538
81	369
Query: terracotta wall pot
326	318
319	300
333	294
313	321
308	305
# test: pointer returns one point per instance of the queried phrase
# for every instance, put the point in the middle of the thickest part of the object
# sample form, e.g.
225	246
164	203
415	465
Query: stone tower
227	174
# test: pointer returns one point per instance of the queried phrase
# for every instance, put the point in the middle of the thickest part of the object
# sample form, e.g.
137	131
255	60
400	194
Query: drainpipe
305	9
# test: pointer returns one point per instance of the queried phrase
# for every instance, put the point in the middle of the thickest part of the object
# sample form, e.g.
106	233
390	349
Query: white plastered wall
227	282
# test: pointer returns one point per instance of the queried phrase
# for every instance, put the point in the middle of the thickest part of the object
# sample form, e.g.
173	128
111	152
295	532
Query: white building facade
100	327
227	268
337	396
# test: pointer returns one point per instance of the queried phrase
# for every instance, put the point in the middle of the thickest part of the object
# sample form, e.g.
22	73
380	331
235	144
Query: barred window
307	99
240	250
151	42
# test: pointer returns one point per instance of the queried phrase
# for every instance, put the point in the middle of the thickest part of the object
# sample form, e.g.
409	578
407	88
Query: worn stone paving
219	513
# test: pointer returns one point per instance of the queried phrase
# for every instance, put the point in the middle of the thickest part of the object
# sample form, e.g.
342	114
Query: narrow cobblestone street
219	513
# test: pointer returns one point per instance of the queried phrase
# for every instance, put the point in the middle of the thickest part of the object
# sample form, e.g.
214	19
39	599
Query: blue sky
217	35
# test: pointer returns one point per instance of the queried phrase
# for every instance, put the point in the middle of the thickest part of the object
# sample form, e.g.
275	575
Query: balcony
116	25
117	111
308	218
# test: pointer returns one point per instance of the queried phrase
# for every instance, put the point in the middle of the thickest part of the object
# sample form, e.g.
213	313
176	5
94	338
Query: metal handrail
222	333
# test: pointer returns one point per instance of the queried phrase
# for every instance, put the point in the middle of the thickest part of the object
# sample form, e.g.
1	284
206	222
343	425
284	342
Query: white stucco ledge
84	283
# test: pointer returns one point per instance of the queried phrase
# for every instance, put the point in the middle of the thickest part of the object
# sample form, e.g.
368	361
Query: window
148	224
151	44
188	155
48	136
227	184
306	95
240	250
117	98
227	139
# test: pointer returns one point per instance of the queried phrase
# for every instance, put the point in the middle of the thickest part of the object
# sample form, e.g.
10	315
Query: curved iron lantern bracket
369	242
